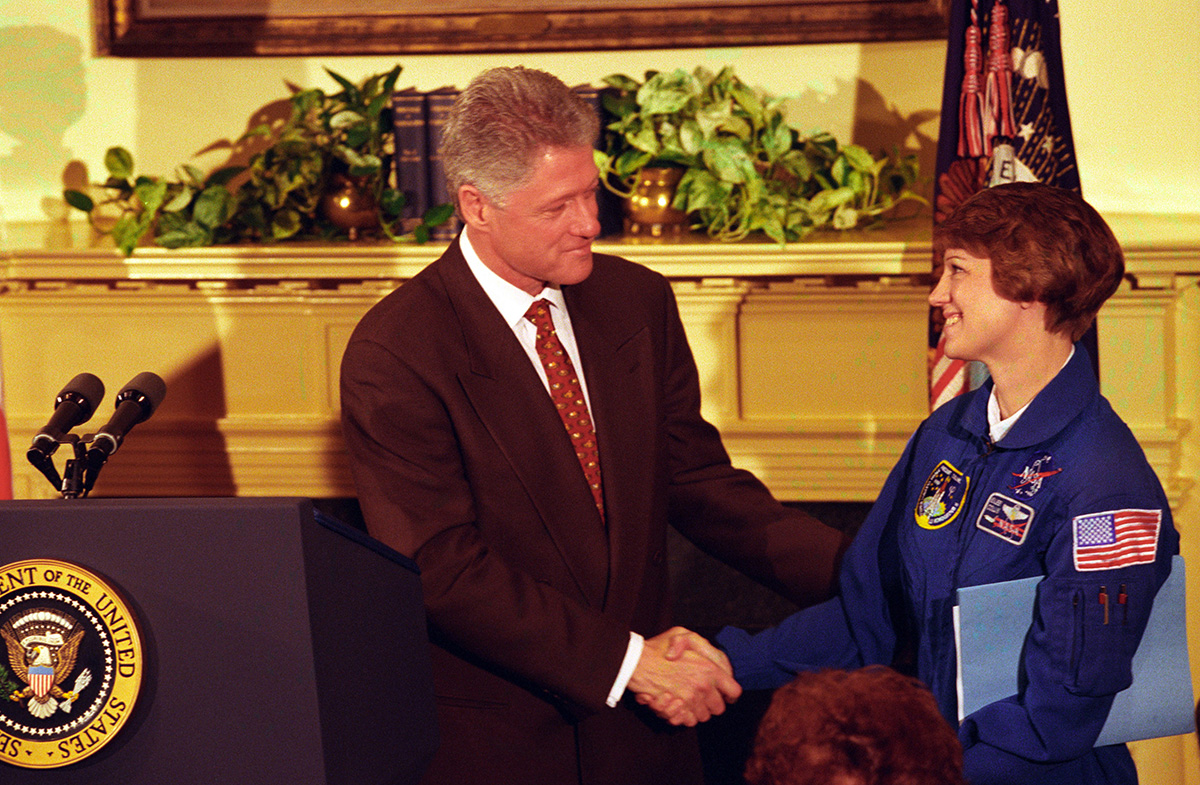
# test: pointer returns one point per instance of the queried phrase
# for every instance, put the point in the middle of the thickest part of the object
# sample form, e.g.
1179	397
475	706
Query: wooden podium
279	646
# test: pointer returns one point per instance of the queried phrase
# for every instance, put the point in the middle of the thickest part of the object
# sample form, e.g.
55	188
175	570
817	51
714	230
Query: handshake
683	678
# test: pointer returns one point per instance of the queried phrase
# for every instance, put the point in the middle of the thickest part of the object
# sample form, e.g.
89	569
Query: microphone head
85	391
147	389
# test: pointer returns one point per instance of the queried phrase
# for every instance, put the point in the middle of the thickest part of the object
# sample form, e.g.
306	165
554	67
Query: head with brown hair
502	120
871	726
1045	244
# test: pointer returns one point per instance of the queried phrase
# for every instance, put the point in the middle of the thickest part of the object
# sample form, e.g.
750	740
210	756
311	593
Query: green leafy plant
747	169
277	195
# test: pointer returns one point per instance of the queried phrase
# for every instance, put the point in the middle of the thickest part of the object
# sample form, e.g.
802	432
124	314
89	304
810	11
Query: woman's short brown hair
871	726
1046	245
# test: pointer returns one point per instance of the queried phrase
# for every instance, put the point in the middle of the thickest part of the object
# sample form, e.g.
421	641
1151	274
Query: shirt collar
1069	393
998	428
511	301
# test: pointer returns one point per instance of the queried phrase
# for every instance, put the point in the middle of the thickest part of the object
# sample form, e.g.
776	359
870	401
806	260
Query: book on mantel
418	118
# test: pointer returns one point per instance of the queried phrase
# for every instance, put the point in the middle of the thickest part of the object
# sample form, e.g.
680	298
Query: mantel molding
249	339
1157	248
40	252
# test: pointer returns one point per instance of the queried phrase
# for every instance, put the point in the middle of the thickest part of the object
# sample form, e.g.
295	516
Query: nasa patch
941	497
1006	518
1028	481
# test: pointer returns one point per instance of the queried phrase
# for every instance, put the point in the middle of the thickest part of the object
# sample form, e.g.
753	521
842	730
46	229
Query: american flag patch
1118	538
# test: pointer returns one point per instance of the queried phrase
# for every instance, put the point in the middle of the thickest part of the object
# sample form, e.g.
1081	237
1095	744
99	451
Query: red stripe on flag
41	683
947	377
5	457
1134	540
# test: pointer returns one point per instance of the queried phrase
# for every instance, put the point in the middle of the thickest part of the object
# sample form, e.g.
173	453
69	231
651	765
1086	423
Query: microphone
73	406
135	403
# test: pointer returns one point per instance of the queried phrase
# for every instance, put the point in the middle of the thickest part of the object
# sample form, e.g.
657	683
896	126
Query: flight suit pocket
1093	641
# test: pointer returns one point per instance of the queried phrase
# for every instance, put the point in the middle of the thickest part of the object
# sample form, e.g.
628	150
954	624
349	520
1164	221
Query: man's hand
683	678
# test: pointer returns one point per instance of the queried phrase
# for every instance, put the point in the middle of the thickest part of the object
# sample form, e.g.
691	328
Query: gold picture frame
242	28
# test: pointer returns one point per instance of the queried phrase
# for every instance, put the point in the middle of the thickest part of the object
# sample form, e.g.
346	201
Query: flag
1004	119
5	453
1118	538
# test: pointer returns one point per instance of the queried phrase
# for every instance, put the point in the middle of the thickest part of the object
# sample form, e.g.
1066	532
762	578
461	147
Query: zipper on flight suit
966	529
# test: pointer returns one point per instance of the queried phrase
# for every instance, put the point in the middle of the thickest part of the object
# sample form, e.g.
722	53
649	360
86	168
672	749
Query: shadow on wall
878	126
180	450
237	152
40	98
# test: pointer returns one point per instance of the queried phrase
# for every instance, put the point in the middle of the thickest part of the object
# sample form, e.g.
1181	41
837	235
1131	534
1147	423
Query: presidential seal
72	663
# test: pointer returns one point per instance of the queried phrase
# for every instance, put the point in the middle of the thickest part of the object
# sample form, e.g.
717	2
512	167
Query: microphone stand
73	487
73	483
44	464
135	403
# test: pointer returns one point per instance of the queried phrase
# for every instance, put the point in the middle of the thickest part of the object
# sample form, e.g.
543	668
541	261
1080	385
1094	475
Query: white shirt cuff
628	665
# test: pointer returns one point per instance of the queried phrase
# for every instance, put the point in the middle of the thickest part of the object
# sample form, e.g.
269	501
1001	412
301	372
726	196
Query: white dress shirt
513	303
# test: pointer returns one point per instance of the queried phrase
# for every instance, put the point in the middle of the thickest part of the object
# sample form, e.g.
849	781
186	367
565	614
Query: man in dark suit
543	566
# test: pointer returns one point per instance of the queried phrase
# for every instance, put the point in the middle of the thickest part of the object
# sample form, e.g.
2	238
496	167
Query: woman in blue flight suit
1032	474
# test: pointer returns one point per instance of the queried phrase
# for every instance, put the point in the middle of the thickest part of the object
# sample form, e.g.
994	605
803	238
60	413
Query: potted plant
745	169
338	143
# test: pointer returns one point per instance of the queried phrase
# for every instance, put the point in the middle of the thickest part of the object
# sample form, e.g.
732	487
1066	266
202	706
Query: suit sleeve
728	512
409	469
855	628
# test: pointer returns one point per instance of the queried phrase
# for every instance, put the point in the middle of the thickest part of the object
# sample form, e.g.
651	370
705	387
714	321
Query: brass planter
349	204
648	209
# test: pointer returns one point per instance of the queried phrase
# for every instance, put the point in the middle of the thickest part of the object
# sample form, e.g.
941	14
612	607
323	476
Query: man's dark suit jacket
462	463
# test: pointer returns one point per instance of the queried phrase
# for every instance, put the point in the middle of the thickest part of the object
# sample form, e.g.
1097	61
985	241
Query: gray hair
502	120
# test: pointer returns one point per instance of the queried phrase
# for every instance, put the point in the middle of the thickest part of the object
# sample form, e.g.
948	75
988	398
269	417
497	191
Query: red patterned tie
567	395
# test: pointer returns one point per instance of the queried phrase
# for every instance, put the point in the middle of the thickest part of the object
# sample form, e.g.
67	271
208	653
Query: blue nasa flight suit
957	511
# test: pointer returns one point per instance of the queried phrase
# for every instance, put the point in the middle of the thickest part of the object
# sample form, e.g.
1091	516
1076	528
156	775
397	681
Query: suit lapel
617	363
511	401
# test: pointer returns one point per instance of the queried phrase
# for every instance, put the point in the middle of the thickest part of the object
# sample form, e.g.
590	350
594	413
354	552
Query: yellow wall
1131	77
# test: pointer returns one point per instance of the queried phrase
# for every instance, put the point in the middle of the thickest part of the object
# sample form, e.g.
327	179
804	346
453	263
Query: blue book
991	624
411	153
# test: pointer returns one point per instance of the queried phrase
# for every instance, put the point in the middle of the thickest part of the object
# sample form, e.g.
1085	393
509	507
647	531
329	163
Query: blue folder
992	623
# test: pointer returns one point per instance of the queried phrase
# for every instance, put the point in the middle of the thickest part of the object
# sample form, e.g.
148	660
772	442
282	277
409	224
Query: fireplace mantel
812	360
812	355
